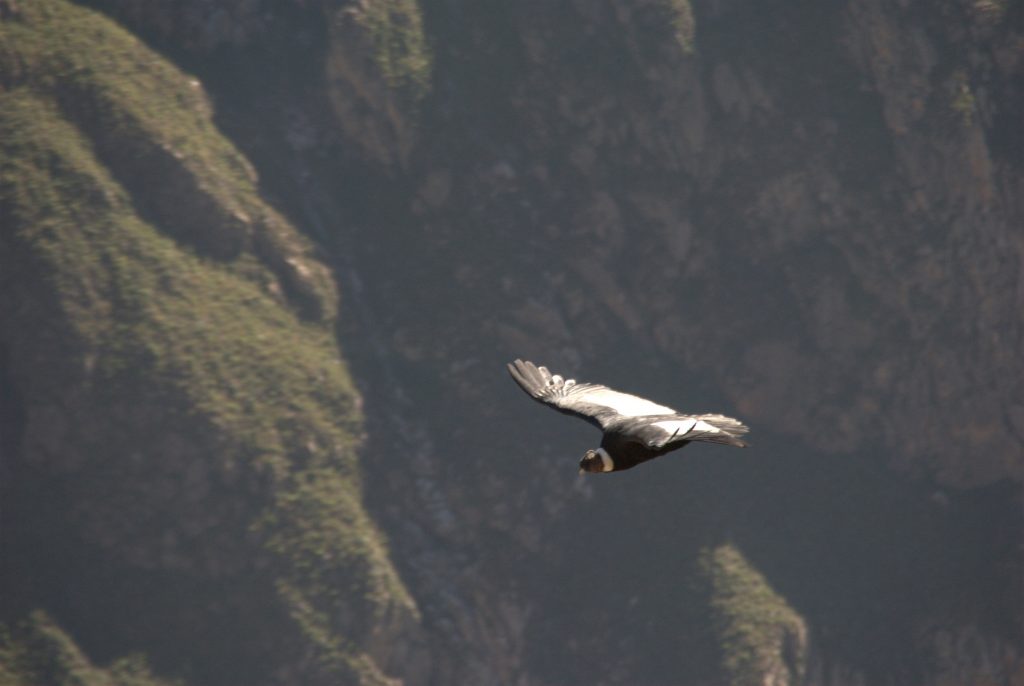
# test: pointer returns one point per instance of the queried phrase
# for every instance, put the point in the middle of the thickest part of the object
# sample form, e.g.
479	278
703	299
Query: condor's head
596	461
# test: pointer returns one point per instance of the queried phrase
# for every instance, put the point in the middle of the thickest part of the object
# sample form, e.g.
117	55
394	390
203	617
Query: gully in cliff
635	429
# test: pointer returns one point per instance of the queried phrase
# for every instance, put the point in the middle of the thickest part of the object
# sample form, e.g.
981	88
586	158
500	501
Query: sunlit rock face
801	214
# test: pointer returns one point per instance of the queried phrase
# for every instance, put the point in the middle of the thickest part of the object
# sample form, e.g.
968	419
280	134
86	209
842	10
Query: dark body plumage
635	429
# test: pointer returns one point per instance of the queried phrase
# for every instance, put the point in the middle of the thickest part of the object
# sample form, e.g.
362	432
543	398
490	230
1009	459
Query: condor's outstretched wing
597	404
660	432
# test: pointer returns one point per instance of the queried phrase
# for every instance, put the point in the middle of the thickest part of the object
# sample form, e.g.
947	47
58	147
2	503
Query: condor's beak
582	471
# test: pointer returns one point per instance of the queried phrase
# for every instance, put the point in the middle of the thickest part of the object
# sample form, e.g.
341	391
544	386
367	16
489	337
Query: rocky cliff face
800	213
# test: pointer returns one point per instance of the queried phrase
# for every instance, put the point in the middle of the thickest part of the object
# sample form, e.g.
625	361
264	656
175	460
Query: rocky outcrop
40	652
378	71
763	640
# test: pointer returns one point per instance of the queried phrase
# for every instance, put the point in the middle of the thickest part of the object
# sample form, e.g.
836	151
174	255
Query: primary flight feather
635	429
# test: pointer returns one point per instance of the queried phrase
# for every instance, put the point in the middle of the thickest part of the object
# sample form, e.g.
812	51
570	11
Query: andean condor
635	429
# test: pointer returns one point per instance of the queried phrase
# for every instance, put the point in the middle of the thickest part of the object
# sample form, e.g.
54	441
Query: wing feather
594	403
661	432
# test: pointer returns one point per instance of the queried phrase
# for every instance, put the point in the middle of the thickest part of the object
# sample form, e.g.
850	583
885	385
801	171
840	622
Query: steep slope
182	425
38	652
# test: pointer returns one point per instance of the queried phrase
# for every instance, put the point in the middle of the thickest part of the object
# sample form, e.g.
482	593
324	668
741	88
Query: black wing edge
529	377
537	382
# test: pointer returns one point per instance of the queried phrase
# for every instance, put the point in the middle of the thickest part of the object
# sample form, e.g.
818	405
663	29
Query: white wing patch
677	427
705	428
625	404
682	427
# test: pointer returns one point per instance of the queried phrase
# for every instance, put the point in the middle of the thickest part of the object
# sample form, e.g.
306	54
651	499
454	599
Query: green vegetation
38	653
87	63
191	384
759	633
683	23
148	307
378	71
151	127
962	100
400	45
319	527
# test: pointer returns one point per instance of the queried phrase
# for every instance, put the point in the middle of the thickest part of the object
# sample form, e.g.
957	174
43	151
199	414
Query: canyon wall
262	263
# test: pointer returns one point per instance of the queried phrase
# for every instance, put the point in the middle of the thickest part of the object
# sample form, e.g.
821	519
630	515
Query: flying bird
635	429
